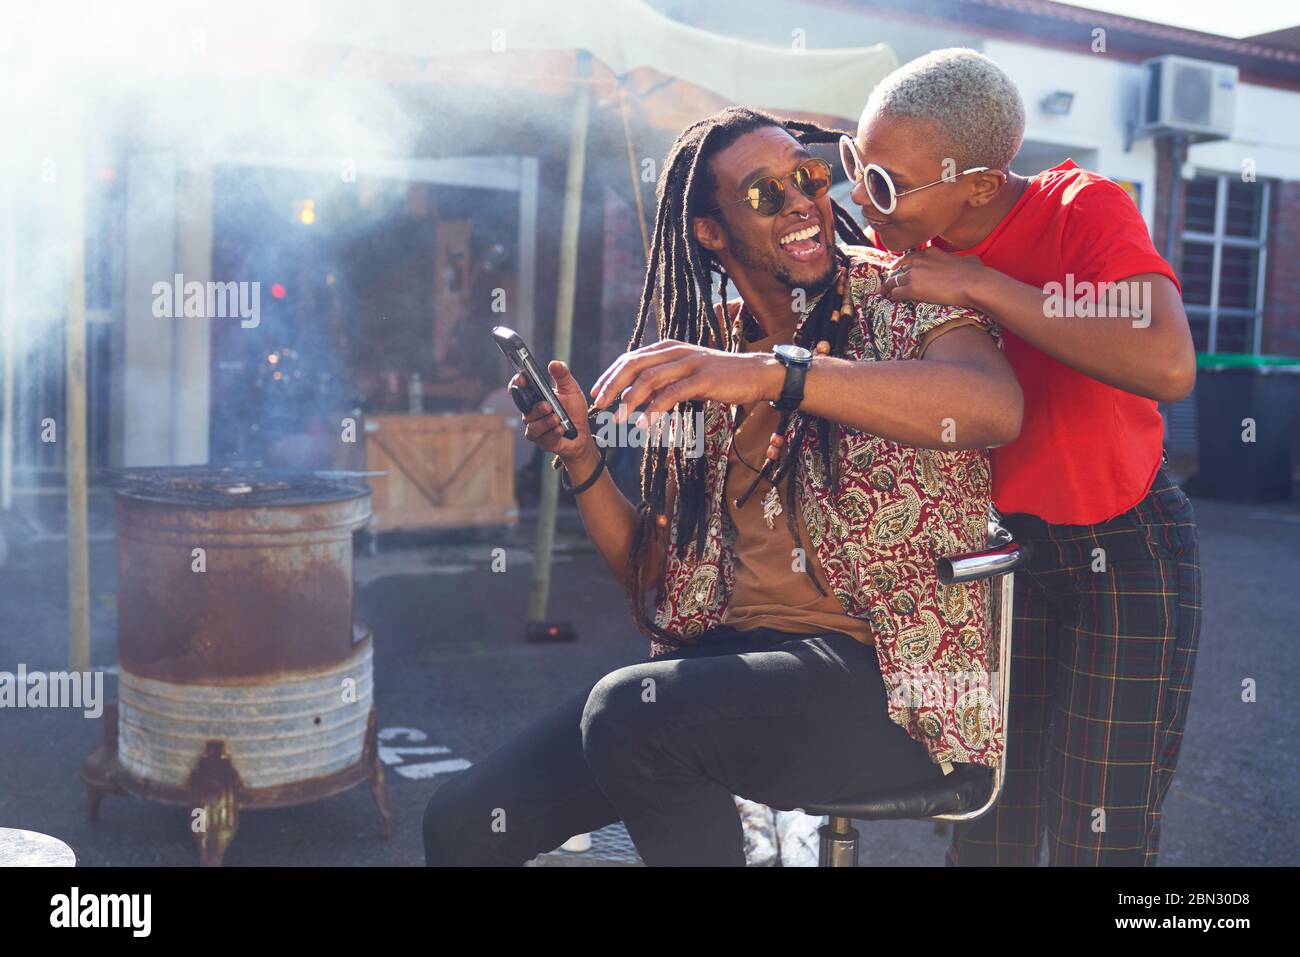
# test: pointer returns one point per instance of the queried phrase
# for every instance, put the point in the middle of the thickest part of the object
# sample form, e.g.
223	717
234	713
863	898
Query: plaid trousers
1103	649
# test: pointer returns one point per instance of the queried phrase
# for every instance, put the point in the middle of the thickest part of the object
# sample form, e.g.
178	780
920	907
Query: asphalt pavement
455	676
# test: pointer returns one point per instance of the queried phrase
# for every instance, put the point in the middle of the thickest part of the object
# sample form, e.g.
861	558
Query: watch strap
792	391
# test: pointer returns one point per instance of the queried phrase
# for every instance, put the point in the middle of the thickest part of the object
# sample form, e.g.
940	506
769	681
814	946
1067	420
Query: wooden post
74	424
8	322
569	227
631	165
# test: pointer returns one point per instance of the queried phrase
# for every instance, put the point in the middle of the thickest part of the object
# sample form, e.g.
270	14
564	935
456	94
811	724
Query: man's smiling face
795	245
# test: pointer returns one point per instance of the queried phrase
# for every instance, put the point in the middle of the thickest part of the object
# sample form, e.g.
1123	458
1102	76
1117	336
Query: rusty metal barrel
235	623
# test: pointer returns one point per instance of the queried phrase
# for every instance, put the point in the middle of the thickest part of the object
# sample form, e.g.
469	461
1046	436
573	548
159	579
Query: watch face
792	353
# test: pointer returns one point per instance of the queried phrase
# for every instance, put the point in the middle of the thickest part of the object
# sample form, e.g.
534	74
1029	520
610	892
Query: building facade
1237	218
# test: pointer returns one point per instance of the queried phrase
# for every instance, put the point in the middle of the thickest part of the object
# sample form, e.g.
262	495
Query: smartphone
538	388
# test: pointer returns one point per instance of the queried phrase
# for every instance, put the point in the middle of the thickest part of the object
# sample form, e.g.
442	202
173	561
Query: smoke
145	129
199	78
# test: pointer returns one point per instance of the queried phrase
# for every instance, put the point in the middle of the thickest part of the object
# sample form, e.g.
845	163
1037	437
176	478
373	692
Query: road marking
412	734
397	754
418	772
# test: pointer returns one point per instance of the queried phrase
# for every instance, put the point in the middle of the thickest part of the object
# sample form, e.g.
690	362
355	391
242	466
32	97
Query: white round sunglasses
880	187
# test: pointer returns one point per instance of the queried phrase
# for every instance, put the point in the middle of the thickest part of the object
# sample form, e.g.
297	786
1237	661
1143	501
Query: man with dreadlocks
787	666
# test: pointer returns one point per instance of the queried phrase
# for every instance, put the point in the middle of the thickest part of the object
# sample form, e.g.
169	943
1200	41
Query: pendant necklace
772	500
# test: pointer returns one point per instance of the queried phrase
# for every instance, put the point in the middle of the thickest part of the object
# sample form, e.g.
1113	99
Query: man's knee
619	716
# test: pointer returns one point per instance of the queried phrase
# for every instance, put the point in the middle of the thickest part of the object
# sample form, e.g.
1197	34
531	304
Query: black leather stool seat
967	787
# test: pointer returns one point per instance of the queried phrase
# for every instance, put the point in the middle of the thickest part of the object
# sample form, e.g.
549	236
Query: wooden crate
448	470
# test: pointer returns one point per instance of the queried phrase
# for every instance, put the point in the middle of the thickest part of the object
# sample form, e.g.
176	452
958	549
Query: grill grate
208	486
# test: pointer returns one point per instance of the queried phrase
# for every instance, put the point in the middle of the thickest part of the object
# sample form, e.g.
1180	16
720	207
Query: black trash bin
1245	422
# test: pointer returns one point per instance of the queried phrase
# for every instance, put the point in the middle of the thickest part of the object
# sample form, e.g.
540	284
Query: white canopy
626	35
291	36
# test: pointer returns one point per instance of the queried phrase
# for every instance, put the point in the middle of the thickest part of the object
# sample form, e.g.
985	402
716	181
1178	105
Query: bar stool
969	791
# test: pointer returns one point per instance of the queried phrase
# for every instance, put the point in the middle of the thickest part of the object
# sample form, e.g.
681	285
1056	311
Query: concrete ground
454	672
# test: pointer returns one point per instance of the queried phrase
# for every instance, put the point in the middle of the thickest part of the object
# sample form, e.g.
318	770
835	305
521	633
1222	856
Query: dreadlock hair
678	290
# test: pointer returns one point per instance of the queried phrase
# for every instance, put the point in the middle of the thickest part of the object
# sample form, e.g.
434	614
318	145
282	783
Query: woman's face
907	148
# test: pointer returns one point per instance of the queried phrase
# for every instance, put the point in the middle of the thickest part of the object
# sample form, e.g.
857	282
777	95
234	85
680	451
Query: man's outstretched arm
961	395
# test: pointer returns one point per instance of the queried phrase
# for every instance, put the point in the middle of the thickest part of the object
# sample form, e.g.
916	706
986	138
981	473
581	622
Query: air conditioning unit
1192	97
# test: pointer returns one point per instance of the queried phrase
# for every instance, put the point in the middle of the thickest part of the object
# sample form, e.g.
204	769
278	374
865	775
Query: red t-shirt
1087	451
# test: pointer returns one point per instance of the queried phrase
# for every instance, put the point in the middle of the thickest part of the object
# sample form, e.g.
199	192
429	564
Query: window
1225	232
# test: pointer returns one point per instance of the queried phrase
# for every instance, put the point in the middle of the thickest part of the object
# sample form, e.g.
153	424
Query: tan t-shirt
772	590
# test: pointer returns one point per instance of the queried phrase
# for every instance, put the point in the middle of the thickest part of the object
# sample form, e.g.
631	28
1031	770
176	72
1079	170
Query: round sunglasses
766	194
880	187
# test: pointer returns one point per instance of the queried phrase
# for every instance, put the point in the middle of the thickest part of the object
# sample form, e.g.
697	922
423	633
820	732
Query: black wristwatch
796	360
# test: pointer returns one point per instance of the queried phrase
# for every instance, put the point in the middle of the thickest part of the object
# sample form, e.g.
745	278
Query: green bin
1245	422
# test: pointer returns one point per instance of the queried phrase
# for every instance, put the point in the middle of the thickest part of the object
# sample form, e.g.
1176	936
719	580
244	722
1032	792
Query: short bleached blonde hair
974	105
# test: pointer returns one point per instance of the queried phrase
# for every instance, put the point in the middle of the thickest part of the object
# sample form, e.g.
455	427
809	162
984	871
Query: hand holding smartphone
538	388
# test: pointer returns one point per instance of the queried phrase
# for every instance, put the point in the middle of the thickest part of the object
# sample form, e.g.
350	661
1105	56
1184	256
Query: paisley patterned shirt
895	512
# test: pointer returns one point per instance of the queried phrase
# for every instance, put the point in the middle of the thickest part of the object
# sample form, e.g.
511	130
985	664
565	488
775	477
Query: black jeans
663	745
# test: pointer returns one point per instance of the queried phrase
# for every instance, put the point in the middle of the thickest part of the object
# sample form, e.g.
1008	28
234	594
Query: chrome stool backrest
996	564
